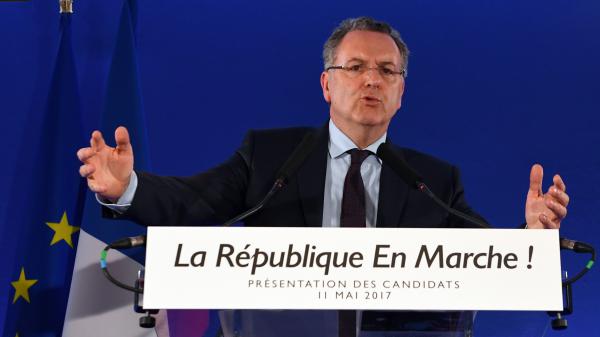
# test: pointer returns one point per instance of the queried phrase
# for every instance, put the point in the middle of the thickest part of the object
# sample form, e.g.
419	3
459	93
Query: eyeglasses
386	72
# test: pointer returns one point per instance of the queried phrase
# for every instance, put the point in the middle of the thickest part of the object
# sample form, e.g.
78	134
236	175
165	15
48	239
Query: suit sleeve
208	198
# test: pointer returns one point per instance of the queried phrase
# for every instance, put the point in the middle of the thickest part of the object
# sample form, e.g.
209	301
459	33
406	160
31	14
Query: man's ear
401	94
325	86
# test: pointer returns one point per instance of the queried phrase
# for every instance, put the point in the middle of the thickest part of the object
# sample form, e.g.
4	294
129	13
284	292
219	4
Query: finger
559	183
86	170
558	195
559	210
95	187
97	141
85	153
535	180
122	139
548	223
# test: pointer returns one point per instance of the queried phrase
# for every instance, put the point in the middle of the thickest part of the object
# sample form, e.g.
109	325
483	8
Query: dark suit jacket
215	196
238	184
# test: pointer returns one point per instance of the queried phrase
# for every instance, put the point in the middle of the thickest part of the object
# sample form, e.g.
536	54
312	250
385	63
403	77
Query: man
363	82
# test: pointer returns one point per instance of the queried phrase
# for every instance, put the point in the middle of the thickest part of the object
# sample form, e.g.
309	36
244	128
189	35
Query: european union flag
46	206
93	300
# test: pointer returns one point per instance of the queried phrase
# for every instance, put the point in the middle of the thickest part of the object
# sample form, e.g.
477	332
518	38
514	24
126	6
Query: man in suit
363	82
340	183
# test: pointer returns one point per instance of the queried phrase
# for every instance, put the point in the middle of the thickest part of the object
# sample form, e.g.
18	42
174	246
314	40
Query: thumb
535	179
122	139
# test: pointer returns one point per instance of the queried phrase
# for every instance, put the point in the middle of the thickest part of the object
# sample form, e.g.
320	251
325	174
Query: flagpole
66	6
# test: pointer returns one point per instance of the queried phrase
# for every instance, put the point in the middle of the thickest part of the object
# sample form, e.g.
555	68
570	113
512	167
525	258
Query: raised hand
545	210
107	169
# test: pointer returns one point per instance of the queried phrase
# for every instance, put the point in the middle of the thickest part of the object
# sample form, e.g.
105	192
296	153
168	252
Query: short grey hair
366	24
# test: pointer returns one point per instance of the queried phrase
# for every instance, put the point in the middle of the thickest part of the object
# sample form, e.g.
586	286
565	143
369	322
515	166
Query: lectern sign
352	268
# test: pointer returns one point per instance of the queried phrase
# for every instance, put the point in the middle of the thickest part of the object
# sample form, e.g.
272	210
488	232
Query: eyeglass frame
378	68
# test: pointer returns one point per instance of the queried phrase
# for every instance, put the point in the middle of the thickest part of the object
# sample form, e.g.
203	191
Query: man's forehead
368	46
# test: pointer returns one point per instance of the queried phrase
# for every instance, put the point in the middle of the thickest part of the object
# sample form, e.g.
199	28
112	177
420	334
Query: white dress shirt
338	163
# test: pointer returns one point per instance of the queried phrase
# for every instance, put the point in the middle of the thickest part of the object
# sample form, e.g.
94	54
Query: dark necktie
353	199
353	215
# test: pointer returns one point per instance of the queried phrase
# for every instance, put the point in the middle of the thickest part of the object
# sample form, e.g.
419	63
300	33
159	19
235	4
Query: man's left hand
545	210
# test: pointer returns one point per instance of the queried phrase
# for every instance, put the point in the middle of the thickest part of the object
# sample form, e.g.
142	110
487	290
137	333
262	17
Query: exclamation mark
530	256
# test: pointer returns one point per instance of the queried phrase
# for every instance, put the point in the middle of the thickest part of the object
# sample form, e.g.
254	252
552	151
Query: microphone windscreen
397	163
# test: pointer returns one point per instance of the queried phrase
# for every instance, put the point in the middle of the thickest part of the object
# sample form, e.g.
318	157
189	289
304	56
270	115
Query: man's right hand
107	169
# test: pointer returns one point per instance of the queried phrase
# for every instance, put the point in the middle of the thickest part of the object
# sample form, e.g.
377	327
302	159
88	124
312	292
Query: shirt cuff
125	200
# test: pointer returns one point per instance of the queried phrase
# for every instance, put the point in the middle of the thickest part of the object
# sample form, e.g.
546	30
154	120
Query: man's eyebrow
382	63
386	63
356	59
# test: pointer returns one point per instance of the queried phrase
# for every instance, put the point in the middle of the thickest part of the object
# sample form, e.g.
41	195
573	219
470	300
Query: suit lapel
311	180
393	194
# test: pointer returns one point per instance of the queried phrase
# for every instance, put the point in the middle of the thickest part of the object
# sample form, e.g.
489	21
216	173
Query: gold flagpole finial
66	6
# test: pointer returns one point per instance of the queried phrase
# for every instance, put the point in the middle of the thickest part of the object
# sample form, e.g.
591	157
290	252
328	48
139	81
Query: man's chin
372	119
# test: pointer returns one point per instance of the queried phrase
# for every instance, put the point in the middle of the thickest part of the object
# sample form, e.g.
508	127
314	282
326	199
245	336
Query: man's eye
355	68
386	71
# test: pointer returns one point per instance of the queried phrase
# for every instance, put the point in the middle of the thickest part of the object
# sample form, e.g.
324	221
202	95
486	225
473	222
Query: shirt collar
339	143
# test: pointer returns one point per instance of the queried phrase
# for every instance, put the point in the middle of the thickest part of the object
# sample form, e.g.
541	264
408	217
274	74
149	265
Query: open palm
545	210
107	169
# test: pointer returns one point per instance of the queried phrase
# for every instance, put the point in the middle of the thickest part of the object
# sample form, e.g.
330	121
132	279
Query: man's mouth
370	99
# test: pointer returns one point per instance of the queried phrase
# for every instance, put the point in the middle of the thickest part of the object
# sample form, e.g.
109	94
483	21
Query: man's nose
372	77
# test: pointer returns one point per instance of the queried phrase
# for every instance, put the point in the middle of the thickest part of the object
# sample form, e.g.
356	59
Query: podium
275	282
324	323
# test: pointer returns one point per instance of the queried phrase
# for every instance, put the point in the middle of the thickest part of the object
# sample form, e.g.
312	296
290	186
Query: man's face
368	99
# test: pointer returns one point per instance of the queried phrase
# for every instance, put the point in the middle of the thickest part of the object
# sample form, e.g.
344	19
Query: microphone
576	246
397	163
415	181
130	242
289	168
292	164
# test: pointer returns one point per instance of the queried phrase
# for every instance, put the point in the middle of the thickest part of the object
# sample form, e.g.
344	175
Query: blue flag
122	106
45	213
94	302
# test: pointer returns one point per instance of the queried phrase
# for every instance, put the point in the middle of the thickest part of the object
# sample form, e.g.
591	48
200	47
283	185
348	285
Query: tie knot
358	156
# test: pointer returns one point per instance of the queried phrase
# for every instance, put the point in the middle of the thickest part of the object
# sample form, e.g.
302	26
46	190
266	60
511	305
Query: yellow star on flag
22	286
62	230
